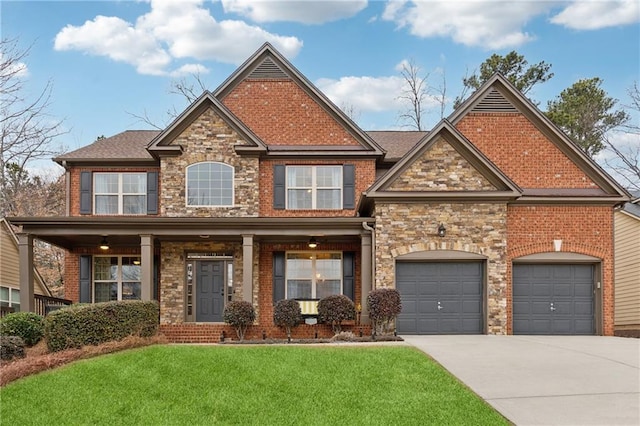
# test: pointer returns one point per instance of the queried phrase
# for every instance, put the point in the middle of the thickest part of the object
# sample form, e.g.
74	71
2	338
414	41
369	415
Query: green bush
11	347
384	306
82	325
287	314
240	314
26	325
335	309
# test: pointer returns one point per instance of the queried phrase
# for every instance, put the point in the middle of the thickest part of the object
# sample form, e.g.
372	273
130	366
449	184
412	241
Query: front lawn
202	385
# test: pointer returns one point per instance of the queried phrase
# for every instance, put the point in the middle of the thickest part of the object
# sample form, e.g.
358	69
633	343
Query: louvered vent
494	102
267	69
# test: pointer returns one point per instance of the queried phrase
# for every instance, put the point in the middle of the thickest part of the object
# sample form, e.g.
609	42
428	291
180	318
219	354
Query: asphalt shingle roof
396	142
130	145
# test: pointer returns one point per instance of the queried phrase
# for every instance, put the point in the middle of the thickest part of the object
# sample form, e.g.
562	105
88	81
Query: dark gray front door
553	299
209	291
440	298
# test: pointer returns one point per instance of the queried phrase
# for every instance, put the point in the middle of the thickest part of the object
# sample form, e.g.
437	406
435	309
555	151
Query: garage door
440	298
553	299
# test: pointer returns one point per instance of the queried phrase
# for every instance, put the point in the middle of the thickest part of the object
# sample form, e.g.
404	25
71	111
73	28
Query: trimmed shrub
11	347
384	306
240	314
287	314
335	309
81	325
26	325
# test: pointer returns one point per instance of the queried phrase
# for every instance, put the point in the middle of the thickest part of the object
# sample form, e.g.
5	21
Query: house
494	222
627	269
10	274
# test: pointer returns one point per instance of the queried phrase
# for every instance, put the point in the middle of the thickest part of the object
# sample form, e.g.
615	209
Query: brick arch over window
209	184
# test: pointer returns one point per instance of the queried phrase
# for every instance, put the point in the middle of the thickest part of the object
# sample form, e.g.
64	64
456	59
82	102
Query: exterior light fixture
313	243
104	244
442	230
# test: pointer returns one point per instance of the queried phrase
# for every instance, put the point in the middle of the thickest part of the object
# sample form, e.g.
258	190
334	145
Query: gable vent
494	102
267	69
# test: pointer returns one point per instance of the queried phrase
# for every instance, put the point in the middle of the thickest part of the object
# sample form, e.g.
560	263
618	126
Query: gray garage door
553	299
440	298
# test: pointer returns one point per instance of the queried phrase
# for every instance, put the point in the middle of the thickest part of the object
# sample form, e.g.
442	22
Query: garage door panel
471	288
563	289
450	288
471	307
583	308
540	307
409	307
427	306
427	326
540	289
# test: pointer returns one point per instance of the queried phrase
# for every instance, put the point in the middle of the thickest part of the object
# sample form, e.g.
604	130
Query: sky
109	61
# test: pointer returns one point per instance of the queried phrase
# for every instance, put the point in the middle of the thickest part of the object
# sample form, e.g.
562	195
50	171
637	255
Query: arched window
210	184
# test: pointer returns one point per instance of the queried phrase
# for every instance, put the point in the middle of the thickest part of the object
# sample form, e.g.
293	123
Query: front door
209	290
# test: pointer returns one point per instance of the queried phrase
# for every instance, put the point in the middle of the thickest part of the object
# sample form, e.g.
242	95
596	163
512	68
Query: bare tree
414	93
27	129
350	110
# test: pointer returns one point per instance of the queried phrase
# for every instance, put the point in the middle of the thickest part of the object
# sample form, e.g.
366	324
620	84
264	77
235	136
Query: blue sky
110	59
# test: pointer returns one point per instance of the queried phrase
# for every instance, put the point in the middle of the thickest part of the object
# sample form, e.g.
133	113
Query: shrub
11	347
287	314
26	325
335	309
240	314
384	306
82	325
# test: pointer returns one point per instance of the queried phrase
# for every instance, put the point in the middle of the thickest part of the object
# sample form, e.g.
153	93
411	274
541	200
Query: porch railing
46	304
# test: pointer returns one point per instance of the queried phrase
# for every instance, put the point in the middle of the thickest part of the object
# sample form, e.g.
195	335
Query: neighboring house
10	273
627	269
494	222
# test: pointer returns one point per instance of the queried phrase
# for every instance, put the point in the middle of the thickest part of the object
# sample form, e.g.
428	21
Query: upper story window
120	193
210	184
313	275
314	187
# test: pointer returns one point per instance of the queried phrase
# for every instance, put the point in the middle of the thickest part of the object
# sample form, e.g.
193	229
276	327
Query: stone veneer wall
172	275
209	138
479	228
441	168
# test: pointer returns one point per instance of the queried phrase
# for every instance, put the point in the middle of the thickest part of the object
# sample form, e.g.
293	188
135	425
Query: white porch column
247	268
25	251
366	275
146	262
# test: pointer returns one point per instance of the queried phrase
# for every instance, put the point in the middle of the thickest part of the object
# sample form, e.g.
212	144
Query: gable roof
498	95
129	146
268	63
396	142
5	227
162	143
505	188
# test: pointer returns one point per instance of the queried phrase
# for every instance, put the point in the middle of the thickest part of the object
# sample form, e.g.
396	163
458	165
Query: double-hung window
314	187
10	297
116	278
210	185
120	193
311	275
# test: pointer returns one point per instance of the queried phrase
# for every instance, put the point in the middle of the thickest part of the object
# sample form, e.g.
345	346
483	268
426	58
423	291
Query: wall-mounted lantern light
313	243
104	244
442	230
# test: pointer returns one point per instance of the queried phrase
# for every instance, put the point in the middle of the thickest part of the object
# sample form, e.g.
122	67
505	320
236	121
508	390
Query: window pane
134	183
299	177
131	269
15	296
105	292
299	289
299	199
134	204
106	183
328	199
105	268
329	177
106	204
299	268
210	184
326	288
4	293
131	291
328	269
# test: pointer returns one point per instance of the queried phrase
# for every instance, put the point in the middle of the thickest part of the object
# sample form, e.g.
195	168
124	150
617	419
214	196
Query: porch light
104	244
441	230
313	243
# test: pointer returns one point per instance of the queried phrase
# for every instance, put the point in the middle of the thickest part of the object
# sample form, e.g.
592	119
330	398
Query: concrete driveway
546	380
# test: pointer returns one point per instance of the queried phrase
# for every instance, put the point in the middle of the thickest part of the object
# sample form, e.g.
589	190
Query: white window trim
314	187
119	279
10	301
121	194
209	206
313	254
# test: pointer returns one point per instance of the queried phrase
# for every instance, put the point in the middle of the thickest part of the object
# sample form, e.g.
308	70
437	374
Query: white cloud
593	15
488	24
303	11
17	69
171	31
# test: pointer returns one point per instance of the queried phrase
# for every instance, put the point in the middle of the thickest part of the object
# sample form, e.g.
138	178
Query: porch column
25	251
247	268
366	275
146	262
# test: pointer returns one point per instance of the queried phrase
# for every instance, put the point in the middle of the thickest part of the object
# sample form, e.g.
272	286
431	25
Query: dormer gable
444	165
288	113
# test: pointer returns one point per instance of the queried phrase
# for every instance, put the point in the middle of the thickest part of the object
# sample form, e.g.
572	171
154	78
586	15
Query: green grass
280	385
